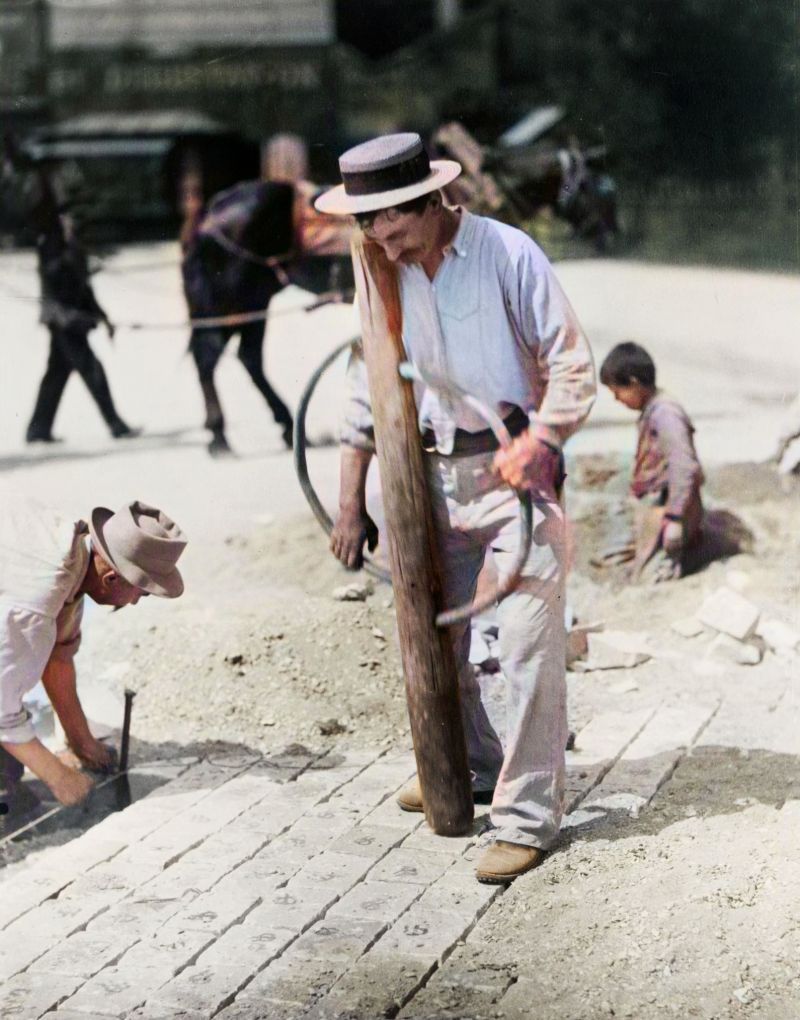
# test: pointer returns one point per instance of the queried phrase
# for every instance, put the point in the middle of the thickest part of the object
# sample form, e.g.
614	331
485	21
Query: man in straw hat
482	309
47	564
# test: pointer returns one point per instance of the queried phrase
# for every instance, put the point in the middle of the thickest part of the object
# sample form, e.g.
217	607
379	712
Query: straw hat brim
337	202
168	585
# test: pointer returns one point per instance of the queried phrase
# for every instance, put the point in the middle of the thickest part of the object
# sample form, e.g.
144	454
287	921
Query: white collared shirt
43	561
495	322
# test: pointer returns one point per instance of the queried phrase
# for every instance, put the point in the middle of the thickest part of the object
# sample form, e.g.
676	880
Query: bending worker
483	310
47	564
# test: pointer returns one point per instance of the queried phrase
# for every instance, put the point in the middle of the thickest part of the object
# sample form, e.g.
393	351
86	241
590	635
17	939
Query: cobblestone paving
248	888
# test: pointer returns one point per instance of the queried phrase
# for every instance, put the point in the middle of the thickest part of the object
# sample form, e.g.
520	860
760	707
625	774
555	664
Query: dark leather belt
466	444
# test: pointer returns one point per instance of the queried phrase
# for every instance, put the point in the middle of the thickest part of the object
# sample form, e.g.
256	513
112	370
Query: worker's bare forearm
353	471
60	682
35	756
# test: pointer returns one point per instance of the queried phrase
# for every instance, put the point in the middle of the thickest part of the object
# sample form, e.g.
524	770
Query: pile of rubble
738	630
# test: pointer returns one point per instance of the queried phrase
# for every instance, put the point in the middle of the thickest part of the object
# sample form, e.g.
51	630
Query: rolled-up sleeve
68	632
564	362
357	427
26	641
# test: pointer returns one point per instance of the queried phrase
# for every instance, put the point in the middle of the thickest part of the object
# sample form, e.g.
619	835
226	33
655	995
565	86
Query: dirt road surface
681	901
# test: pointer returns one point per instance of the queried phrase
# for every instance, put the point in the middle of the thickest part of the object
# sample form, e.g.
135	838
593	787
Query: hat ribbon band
389	178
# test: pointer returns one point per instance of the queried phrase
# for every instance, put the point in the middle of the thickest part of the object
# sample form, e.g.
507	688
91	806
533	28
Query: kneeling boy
667	475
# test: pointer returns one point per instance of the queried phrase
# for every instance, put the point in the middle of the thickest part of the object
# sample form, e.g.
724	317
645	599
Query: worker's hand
529	464
70	787
352	529
672	538
95	755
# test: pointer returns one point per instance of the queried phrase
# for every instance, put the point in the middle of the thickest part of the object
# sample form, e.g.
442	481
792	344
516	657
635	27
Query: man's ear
108	577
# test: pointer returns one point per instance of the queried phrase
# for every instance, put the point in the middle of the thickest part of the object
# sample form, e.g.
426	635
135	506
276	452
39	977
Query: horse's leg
251	348
207	346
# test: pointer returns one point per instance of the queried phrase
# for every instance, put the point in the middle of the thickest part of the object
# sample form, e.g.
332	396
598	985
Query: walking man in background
70	311
47	564
483	310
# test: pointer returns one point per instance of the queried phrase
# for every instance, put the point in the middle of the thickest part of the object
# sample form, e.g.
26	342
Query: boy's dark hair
627	363
414	205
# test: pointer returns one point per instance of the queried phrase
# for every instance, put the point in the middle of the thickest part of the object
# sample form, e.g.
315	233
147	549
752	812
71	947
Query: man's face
405	237
112	589
632	395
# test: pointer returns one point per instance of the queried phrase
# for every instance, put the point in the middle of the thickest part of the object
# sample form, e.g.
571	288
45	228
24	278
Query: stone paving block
269	868
71	1014
196	876
137	917
598	745
83	954
29	996
336	872
154	1011
56	919
248	941
459	892
213	911
336	823
117	878
352	759
375	900
372	841
205	989
374	988
294	978
424	838
340	938
262	1008
295	907
729	612
388	812
303	841
166	952
115	991
424	932
18	952
420	867
269	819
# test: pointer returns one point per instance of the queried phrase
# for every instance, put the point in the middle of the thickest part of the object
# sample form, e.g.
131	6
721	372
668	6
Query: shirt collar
460	243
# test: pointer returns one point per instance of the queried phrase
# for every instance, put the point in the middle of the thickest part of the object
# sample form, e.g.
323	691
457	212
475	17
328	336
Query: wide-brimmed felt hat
385	172
143	546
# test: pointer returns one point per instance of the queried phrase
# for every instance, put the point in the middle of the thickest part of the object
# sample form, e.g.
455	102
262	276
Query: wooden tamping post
428	662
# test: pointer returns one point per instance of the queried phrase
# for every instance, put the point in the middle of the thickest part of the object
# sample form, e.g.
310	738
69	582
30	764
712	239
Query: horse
252	241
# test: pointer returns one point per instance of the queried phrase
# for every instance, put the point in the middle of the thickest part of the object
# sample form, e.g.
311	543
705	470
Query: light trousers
475	512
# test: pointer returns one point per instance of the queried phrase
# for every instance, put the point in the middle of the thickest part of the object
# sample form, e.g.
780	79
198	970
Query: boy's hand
672	538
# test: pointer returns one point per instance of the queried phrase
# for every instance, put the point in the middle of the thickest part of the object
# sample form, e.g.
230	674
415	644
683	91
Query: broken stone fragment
779	636
616	649
688	627
353	592
728	649
730	613
577	640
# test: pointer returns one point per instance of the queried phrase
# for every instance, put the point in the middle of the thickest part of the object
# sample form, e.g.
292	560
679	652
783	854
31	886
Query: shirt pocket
458	296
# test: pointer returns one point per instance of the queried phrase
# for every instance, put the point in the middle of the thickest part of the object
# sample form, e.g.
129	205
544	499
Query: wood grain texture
427	654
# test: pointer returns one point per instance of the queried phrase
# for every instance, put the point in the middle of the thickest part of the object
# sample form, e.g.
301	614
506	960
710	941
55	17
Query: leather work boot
410	797
503	862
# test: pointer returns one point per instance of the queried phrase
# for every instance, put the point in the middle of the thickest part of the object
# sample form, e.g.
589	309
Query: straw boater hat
384	172
143	546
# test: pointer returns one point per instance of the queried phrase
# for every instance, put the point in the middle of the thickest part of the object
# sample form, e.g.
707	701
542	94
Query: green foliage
697	88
